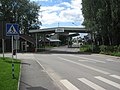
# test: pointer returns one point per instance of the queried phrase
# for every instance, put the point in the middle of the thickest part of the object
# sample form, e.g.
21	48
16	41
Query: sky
54	13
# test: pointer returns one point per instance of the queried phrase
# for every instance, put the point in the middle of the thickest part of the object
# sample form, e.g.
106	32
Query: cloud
50	18
62	12
51	9
76	4
43	0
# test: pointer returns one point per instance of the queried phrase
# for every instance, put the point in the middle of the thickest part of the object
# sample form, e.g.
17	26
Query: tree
22	12
102	17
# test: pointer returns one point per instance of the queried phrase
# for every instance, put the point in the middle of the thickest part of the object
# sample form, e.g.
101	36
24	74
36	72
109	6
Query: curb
19	78
48	74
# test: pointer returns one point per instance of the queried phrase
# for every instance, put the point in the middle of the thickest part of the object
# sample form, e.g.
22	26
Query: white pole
12	47
16	47
12	60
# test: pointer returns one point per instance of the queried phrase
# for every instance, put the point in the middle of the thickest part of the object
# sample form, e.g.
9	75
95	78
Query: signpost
16	37
12	30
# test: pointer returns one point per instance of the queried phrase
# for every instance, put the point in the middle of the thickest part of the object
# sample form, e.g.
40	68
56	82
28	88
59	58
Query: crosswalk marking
108	81
68	85
91	84
86	66
115	76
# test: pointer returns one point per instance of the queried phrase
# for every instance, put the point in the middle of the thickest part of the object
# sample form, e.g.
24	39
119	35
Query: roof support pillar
44	39
36	46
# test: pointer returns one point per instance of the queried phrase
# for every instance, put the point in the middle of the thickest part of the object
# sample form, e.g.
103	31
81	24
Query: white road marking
68	85
115	76
88	59
86	66
91	84
108	81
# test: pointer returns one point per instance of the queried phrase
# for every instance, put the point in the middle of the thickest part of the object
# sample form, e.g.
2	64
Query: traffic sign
59	30
12	29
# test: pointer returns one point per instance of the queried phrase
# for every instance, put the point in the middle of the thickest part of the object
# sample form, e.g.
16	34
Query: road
74	71
82	71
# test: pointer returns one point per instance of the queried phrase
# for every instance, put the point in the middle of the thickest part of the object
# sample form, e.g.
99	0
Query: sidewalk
33	76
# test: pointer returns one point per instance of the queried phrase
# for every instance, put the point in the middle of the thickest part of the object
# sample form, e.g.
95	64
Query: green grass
6	80
115	54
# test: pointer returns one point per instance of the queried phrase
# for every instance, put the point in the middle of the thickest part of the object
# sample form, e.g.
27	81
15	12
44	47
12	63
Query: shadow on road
62	52
29	87
36	88
15	62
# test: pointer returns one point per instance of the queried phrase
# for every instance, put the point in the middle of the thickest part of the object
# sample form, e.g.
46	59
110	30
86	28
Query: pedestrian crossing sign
12	29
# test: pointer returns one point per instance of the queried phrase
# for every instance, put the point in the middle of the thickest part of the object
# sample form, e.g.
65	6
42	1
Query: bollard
13	71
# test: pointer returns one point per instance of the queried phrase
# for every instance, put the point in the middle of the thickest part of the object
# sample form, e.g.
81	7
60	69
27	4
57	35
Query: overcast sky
60	12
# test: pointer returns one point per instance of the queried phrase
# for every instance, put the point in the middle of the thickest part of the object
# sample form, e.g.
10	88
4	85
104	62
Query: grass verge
6	81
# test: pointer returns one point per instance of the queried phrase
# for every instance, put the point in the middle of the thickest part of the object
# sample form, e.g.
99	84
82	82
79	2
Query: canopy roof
60	30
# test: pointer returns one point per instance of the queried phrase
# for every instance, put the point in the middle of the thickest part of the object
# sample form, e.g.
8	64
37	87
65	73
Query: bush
86	48
103	48
109	50
119	48
115	54
115	48
96	49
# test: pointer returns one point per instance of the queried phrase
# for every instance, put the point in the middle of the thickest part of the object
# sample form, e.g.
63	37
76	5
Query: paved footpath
33	76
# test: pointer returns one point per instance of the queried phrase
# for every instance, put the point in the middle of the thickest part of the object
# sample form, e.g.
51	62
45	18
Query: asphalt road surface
82	71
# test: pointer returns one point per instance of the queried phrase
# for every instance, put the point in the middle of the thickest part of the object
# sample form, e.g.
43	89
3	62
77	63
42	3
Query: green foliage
119	48
23	12
102	17
90	48
115	54
6	81
86	48
111	50
103	48
96	49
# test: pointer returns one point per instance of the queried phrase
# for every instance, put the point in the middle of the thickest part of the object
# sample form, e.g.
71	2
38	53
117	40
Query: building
39	38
